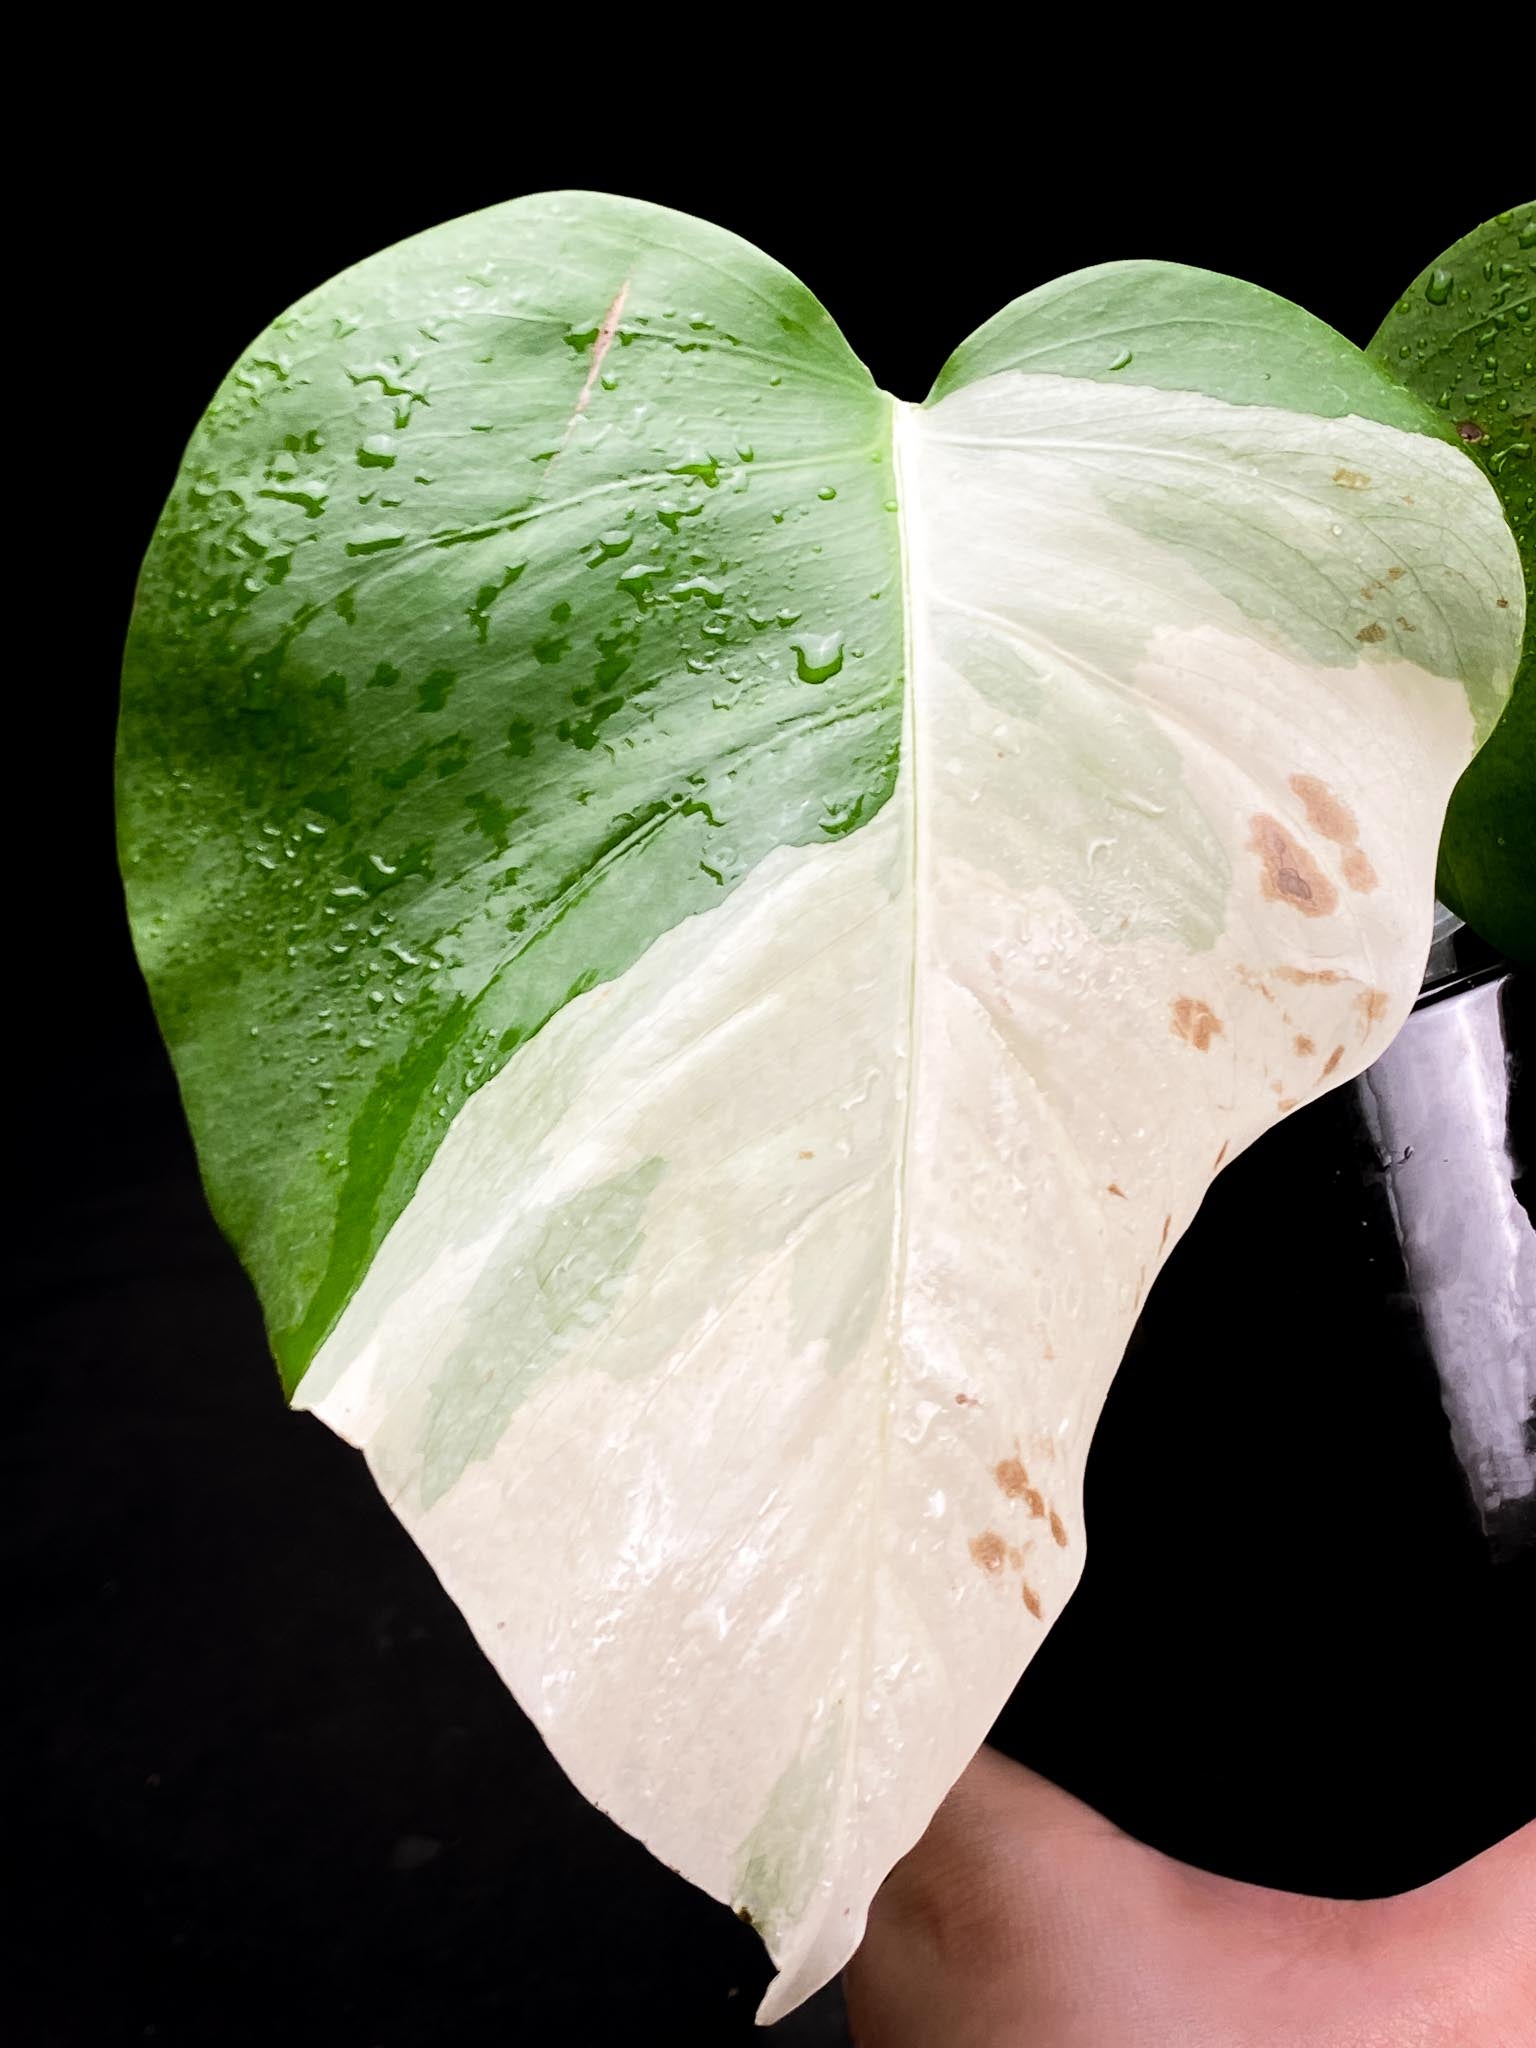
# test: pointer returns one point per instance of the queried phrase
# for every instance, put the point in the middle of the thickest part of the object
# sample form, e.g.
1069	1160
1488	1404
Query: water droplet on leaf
818	656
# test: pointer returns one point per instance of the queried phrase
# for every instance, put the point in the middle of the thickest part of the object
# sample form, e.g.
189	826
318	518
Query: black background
263	1788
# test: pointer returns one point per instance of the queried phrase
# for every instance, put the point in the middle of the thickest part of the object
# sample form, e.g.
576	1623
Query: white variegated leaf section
736	1360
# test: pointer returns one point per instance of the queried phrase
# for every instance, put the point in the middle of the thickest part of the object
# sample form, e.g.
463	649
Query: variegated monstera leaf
715	927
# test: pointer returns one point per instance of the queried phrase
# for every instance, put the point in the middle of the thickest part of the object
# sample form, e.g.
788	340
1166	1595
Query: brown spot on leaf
1031	1598
989	1552
604	341
1332	818
1034	1503
1301	1045
1372	633
1015	1557
1167	1226
1058	1529
807	1155
1012	1478
1351	479
1300	976
1395	573
1372	1005
1115	1189
966	1401
1195	1022
1358	872
1290	873
1287	1103
1327	814
1407	624
1220	1155
1502	603
1332	1060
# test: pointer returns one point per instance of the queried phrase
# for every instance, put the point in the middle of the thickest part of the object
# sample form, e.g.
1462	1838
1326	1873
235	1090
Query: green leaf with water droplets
426	652
1463	339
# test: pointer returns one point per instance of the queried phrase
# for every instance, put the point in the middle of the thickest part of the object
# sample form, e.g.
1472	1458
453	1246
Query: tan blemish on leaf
1195	1022
1351	479
1301	1045
1287	1103
1013	1480
1502	603
1015	1557
966	1401
1058	1530
989	1552
1114	1189
1031	1598
1327	814
1290	874
1358	872
603	343
1251	980
806	1155
1011	1477
1369	590
1216	1162
1406	624
1372	633
1330	817
1167	1226
1372	1005
1300	976
1332	1060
